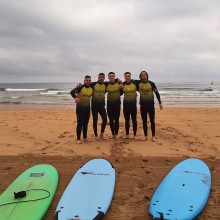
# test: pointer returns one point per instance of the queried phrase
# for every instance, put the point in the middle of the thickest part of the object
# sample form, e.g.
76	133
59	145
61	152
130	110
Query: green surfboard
35	189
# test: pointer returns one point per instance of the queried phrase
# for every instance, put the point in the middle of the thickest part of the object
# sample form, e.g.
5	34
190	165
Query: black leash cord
31	200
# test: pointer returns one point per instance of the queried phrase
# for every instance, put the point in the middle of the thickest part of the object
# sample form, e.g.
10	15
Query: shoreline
73	106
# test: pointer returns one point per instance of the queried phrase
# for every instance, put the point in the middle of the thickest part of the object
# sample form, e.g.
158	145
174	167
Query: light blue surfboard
183	193
89	193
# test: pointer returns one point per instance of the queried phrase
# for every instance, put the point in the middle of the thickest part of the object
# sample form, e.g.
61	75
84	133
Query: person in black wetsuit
130	104
147	89
98	104
113	103
82	98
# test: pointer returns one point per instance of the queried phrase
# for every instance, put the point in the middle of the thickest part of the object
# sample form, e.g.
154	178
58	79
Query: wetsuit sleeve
118	81
93	84
75	91
136	83
121	91
156	92
106	83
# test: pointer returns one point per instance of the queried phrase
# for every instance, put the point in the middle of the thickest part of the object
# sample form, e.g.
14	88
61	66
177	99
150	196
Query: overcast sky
63	40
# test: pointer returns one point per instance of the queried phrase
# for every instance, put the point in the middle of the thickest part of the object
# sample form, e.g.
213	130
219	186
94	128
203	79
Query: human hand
119	81
79	85
77	100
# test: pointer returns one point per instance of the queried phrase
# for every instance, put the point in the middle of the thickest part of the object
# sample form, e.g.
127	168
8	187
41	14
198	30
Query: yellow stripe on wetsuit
114	93
84	95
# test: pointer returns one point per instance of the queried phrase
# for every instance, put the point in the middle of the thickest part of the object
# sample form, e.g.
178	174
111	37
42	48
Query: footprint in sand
7	169
213	169
65	133
147	198
61	136
217	200
148	172
212	158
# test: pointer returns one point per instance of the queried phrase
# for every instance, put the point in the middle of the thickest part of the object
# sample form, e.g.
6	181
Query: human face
144	76
127	78
87	81
111	77
101	78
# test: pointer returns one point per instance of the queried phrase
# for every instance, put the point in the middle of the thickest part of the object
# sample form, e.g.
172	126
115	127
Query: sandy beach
33	136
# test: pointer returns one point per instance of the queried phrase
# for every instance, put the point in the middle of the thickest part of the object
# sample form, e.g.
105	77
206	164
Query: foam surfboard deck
89	193
39	183
183	193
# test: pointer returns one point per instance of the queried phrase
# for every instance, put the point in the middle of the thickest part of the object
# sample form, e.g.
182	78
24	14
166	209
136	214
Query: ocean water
57	95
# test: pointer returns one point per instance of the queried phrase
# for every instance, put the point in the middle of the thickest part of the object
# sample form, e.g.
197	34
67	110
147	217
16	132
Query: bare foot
144	138
154	139
111	137
127	136
116	137
86	140
135	138
96	138
102	137
79	142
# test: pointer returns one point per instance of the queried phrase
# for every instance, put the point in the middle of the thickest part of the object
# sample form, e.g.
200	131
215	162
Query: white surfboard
89	193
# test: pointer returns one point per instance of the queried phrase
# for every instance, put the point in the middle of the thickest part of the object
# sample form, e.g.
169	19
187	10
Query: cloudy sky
62	40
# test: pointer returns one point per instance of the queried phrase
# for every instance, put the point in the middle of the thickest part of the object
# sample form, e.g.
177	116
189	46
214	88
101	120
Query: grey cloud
46	40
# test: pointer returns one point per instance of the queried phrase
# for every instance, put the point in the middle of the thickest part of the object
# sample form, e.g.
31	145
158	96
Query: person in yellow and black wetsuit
82	98
113	103
130	104
147	89
98	104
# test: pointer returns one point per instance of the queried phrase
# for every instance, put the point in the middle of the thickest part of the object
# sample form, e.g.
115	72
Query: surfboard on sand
30	195
183	193
89	193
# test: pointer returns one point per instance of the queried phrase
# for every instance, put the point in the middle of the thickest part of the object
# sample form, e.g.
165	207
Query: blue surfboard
89	193
183	193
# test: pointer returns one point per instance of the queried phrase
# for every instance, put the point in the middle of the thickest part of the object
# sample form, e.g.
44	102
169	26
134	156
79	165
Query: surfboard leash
23	194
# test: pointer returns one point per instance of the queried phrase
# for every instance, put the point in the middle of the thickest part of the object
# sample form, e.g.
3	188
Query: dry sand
33	136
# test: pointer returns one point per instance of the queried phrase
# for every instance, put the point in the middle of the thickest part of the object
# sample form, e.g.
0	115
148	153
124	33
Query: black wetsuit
98	105
130	105
147	90
114	106
84	93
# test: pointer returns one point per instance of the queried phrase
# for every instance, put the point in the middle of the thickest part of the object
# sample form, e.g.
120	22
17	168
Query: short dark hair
101	74
127	73
111	73
87	76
